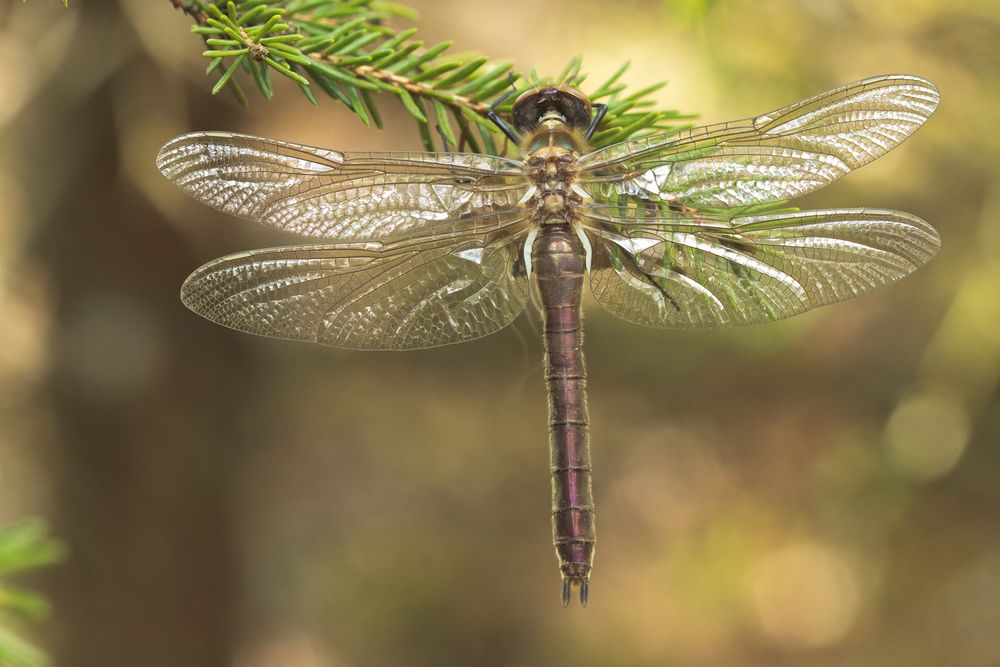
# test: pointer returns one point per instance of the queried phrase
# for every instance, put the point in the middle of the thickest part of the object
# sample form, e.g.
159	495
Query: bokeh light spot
805	595
927	434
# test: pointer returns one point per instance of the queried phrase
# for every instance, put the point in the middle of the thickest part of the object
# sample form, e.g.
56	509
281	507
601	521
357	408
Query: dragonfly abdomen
560	265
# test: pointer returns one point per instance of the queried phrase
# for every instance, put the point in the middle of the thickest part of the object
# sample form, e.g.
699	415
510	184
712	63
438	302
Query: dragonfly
423	249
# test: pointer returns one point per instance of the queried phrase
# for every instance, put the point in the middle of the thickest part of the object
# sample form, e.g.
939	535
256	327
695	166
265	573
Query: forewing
410	295
773	157
323	193
690	270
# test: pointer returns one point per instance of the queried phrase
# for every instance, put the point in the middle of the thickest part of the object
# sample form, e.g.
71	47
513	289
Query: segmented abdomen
560	265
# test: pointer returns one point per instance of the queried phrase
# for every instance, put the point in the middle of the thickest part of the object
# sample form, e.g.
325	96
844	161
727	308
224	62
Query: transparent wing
324	193
773	157
691	270
407	295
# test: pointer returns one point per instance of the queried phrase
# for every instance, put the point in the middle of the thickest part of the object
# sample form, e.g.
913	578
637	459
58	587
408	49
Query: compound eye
576	107
578	95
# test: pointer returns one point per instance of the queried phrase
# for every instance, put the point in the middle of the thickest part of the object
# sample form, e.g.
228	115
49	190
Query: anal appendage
567	590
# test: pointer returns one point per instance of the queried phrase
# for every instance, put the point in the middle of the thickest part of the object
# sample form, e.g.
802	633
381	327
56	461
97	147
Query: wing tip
164	155
932	94
167	157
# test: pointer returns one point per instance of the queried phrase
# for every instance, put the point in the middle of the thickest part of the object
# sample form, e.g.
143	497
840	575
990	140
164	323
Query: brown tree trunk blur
145	399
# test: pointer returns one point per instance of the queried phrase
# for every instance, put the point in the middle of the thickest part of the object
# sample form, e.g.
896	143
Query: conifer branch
349	51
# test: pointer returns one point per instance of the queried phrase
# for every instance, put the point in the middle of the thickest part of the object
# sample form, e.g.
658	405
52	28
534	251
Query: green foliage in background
347	50
23	546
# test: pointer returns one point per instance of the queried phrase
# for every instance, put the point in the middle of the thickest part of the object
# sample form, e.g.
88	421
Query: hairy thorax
553	171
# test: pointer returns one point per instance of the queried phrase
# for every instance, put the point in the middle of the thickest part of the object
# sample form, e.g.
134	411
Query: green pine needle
23	546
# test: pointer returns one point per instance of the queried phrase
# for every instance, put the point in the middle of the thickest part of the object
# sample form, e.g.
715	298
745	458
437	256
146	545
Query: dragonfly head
563	104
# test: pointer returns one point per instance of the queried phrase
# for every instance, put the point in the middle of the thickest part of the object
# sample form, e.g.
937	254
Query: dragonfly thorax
553	171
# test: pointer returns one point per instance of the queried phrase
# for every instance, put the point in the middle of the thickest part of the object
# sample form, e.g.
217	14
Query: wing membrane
407	295
691	270
330	194
773	157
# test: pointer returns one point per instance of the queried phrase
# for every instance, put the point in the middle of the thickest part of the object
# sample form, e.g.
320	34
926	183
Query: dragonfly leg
629	261
444	140
600	110
492	114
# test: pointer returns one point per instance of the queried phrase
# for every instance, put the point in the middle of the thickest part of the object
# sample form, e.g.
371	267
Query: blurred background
821	491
